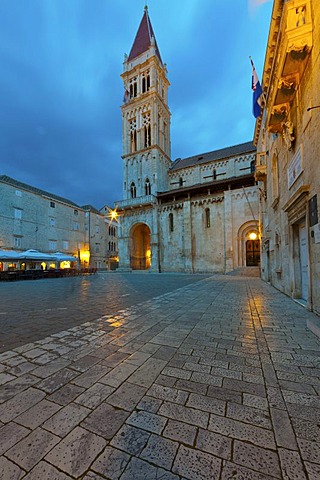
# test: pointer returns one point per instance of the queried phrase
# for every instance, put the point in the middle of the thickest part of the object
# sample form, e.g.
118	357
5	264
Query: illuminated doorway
140	251
252	253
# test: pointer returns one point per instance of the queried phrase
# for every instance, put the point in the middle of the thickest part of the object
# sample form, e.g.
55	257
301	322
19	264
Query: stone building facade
31	218
198	214
288	146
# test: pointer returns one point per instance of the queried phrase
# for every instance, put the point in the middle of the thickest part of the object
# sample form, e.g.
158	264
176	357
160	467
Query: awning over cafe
35	256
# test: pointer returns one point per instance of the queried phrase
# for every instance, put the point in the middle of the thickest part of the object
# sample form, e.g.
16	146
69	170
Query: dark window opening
147	187
208	217
171	222
133	190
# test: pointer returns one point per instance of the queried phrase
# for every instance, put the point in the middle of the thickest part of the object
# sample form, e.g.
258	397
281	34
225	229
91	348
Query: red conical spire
144	38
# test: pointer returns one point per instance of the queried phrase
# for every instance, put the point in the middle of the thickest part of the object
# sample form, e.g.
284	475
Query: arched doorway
249	245
140	251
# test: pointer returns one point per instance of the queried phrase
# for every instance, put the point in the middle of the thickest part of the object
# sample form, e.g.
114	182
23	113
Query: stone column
187	238
229	260
124	254
154	245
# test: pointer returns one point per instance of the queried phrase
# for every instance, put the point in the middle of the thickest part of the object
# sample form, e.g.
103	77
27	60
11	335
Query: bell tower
145	117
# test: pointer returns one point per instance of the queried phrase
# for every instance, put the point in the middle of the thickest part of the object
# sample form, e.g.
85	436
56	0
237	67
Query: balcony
260	173
135	202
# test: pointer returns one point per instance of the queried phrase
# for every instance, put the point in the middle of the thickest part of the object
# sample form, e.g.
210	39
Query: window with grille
52	244
133	135
17	242
146	125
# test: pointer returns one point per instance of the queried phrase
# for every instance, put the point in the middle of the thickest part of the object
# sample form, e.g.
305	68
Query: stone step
246	272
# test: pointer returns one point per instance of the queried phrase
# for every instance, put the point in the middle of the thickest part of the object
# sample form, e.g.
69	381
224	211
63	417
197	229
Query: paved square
216	378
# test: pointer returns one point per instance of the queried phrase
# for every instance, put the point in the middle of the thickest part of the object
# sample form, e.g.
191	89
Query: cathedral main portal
140	251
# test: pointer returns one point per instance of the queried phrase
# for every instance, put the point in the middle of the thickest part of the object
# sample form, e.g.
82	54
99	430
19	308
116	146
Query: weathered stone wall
39	223
290	188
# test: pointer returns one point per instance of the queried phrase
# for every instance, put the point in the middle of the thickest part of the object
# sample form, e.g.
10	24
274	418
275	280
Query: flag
126	96
257	92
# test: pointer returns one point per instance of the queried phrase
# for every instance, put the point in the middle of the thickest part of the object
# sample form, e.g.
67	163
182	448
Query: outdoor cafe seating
32	265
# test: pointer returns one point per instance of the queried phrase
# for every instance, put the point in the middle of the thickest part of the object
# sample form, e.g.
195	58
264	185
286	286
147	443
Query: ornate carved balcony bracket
293	57
260	173
299	36
279	114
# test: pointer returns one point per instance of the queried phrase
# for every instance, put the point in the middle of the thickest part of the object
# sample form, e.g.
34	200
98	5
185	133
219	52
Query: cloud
60	117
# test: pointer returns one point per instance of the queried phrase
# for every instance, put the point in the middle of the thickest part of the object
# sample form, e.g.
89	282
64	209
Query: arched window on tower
133	190
146	123
145	81
170	222
133	87
252	166
180	182
133	135
214	174
147	186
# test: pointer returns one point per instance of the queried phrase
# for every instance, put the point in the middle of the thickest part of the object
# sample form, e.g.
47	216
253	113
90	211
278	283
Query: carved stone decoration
280	112
288	134
299	53
286	87
300	16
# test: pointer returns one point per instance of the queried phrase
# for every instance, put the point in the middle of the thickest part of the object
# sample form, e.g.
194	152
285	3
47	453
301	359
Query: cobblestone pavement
31	310
216	380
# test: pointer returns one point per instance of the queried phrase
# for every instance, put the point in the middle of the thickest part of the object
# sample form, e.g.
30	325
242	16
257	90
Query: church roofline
215	186
221	154
145	38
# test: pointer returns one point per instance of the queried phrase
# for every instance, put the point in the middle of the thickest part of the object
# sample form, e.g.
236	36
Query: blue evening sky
61	91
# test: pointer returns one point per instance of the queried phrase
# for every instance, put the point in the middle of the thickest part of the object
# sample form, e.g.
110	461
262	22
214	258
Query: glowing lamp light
113	214
64	265
85	256
253	236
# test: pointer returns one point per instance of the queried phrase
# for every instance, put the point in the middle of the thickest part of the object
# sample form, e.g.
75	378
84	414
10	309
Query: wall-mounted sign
317	233
313	211
295	167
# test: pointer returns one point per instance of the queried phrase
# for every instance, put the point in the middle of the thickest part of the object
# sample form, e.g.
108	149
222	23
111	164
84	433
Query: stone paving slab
216	380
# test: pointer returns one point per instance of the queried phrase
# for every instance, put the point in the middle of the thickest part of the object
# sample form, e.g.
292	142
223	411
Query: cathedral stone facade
197	214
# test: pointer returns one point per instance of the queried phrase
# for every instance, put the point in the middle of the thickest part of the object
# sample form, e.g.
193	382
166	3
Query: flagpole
252	64
255	85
